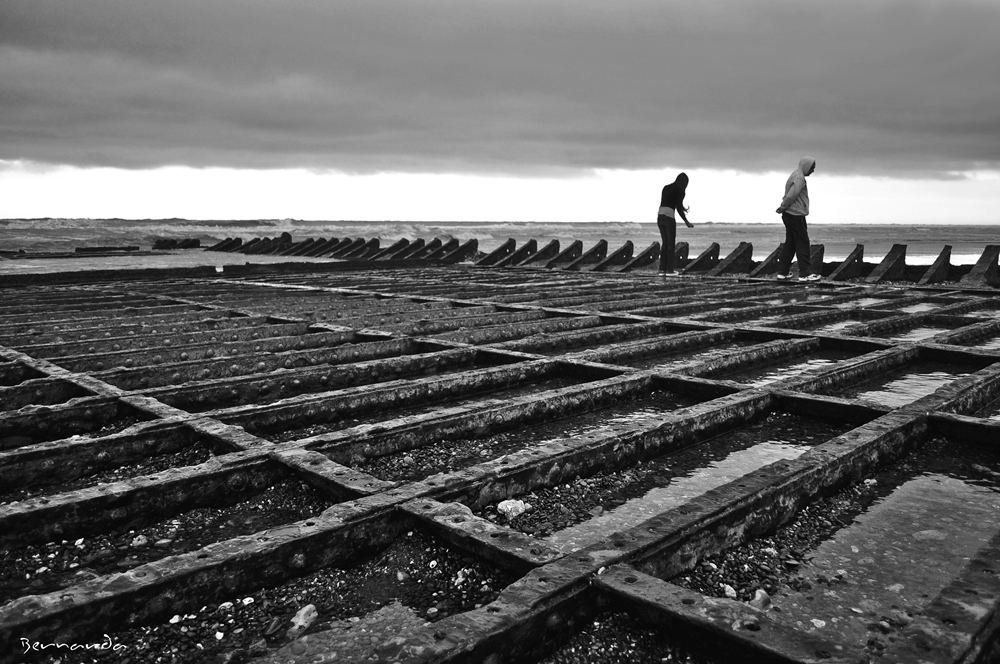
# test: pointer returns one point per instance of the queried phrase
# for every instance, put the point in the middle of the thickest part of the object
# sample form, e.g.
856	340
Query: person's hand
688	224
779	210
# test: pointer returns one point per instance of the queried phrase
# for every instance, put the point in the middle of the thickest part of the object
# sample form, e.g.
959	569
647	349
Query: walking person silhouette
793	209
671	203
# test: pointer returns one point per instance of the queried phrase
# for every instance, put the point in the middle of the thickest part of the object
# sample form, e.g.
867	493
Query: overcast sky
350	105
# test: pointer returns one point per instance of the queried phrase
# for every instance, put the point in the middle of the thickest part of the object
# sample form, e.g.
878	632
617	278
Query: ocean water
924	243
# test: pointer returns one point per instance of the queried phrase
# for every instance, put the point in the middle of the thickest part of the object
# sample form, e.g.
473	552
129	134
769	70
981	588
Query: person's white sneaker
811	277
782	277
667	274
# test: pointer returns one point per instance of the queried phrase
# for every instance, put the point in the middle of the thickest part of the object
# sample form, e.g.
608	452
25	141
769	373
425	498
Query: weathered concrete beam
443	250
333	479
892	267
939	269
769	265
738	261
567	255
546	253
249	246
185	582
39	391
478	419
705	261
527	250
851	267
620	256
985	272
595	334
395	248
722	630
501	252
593	255
207	350
297	248
647	256
379	398
135	502
505	547
500	334
56	462
347	248
262	387
308	245
367	249
420	248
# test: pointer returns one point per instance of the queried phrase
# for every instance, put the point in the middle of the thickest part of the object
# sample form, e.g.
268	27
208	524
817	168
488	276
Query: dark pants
796	244
668	235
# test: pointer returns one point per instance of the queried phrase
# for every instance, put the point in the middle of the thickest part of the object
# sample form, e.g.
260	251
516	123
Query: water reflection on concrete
836	326
788	368
652	406
881	564
861	302
689	473
916	334
904	386
987	344
674	359
919	307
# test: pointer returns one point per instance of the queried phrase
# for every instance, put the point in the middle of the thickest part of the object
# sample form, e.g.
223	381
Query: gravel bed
561	506
81	428
39	569
191	455
617	638
450	455
441	456
419	571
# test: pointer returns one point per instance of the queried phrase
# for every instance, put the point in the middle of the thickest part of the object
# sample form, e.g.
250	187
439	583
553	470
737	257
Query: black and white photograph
511	332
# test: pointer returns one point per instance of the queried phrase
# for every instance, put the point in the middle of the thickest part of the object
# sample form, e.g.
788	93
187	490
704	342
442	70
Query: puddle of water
987	344
917	333
985	313
919	307
677	478
667	360
897	556
455	454
837	326
861	302
789	368
904	386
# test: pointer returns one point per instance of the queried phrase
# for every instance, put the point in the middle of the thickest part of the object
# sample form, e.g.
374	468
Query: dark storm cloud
462	85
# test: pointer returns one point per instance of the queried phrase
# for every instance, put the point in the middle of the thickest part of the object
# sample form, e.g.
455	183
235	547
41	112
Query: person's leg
796	225
668	237
787	249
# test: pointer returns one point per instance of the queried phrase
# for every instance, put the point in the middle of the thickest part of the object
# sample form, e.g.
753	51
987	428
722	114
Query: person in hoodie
793	210
671	203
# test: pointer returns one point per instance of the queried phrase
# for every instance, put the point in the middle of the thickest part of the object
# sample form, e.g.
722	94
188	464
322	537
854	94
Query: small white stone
729	591
176	619
219	635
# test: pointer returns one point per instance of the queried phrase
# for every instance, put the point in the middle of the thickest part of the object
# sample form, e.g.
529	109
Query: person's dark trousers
668	236
796	244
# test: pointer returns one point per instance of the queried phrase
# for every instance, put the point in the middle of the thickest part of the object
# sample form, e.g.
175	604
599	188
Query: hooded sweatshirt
672	196
796	200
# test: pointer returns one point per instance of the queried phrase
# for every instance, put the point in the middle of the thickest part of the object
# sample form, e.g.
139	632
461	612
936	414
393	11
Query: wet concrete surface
682	457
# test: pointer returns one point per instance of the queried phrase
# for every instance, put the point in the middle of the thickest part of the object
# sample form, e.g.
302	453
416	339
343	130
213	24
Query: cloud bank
902	88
